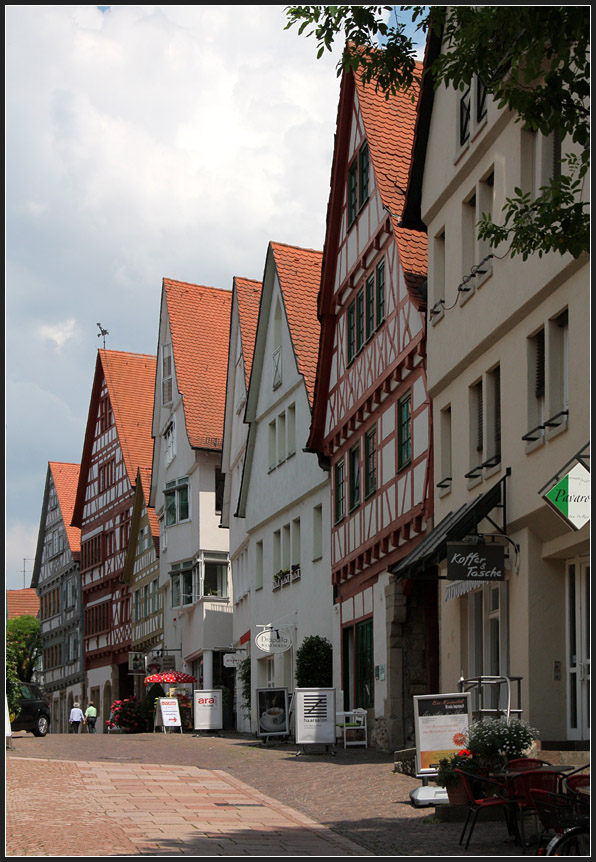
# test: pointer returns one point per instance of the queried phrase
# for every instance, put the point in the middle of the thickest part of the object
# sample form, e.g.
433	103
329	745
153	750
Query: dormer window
169	443
358	182
166	374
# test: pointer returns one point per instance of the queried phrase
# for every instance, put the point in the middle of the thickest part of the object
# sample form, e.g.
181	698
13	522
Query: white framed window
488	633
182	583
317	532
169	438
176	501
166	374
214	569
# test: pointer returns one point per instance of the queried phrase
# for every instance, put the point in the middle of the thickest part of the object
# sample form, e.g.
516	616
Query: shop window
364	665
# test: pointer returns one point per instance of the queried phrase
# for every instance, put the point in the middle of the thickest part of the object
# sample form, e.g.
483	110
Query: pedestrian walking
76	717
91	717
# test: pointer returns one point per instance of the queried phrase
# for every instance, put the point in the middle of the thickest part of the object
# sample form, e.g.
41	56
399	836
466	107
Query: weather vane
103	332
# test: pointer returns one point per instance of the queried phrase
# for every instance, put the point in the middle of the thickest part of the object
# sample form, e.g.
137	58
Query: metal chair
478	804
526	763
520	787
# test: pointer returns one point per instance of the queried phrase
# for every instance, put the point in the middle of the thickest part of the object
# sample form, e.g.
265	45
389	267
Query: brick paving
218	795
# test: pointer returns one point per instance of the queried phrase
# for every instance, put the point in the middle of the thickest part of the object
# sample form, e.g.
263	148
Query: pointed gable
130	382
248	294
199	322
66	480
299	272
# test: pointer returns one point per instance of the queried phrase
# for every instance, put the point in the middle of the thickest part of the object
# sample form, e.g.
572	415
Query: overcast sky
142	142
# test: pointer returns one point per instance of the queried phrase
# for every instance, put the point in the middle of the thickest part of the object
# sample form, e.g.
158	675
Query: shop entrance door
578	649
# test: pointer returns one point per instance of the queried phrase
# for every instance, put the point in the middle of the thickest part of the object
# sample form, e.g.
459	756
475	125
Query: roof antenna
103	332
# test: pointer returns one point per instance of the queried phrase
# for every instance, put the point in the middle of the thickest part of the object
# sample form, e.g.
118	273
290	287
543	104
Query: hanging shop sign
208	709
160	663
167	714
136	663
272	712
315	715
570	497
274	639
233	659
440	723
485	562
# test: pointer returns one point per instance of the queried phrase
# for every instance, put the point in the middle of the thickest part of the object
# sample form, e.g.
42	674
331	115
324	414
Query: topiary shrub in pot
314	663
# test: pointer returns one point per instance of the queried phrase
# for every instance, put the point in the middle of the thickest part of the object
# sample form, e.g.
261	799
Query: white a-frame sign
167	714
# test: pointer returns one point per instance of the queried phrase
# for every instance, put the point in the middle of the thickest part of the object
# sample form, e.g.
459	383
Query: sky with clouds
141	142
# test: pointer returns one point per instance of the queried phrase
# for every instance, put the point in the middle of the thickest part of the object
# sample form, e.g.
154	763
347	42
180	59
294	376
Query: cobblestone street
163	795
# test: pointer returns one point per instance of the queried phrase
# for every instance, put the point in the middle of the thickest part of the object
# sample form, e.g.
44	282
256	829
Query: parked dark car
35	710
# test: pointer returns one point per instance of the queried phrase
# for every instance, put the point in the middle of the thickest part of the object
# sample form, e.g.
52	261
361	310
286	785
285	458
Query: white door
578	649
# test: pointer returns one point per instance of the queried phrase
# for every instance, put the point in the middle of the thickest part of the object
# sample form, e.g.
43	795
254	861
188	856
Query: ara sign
570	497
475	562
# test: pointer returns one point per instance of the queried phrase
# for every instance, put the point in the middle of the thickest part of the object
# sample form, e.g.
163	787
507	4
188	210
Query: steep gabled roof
130	379
248	293
22	603
299	272
390	125
66	480
200	322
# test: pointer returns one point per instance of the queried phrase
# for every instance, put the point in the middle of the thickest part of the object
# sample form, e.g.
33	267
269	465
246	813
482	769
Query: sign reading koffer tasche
475	562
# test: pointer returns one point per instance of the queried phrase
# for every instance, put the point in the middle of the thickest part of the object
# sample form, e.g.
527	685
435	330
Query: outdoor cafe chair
478	804
557	812
520	787
526	763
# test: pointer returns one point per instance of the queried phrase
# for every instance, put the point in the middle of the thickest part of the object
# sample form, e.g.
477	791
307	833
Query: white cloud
59	333
146	142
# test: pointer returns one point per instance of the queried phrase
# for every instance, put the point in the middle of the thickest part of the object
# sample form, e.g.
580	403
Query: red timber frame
105	526
362	378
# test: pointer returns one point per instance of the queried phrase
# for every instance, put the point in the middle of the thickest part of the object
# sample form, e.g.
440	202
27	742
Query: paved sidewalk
222	794
119	809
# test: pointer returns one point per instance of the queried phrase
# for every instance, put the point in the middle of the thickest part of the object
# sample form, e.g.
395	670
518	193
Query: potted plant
495	742
448	778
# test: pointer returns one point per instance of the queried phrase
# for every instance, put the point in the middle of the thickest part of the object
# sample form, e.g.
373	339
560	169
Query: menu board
440	722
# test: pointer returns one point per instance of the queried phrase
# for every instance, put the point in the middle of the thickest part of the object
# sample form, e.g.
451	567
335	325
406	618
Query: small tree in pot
314	663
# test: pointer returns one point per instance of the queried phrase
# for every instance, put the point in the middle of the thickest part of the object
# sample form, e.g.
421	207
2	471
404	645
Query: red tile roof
299	273
20	603
145	478
200	326
130	379
248	293
66	480
390	125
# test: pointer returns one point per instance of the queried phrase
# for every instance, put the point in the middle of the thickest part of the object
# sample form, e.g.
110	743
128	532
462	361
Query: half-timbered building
186	481
371	415
141	573
246	298
117	442
57	582
283	497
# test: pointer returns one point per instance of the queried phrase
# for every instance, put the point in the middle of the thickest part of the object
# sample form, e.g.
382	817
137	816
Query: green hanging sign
570	497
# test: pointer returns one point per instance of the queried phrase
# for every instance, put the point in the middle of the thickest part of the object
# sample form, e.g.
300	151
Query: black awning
454	527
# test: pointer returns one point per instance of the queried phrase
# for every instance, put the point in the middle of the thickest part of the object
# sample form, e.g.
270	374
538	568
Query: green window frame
380	278
351	333
370	306
352	192
363	174
364	665
359	321
339	490
370	462
404	431
354	460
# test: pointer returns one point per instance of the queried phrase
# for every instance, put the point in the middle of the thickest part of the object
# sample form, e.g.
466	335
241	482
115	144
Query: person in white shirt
76	717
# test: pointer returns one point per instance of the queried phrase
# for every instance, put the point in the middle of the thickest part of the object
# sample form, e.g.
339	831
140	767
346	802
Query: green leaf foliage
23	634
533	61
314	663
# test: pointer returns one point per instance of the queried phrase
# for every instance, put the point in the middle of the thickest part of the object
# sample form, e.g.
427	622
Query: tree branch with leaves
533	61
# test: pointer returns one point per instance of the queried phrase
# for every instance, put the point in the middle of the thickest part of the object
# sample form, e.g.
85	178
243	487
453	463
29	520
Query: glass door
578	649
